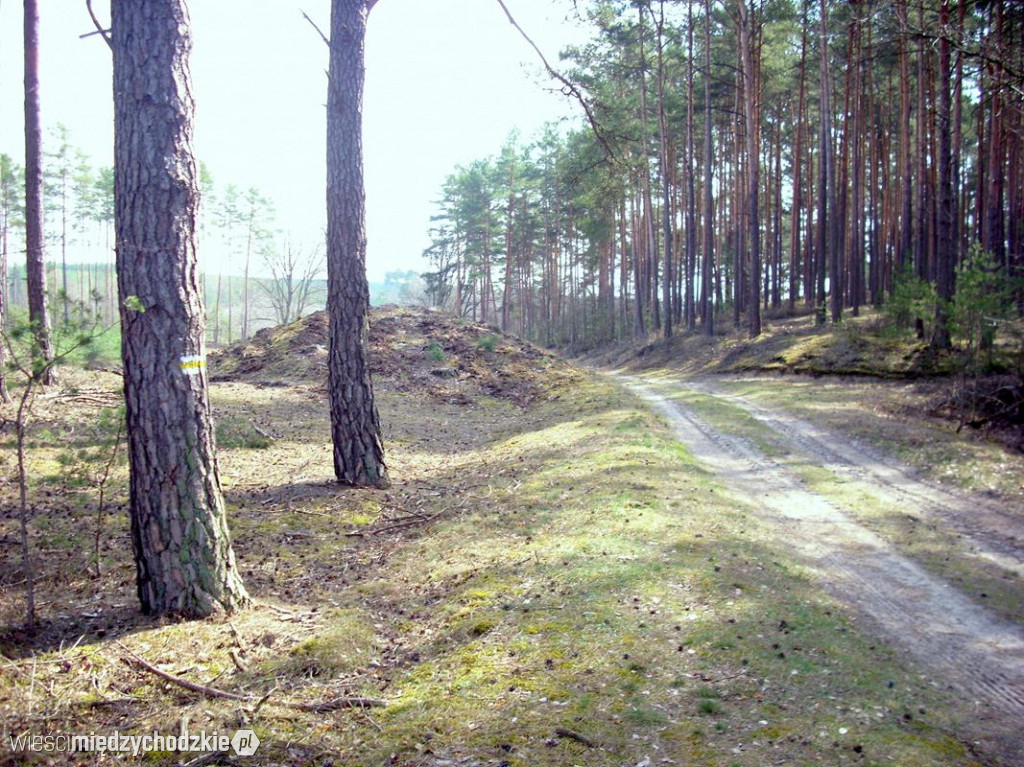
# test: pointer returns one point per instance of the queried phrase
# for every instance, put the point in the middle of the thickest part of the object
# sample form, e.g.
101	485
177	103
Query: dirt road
957	640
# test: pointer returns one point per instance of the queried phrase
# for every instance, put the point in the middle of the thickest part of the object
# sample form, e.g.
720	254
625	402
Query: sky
446	82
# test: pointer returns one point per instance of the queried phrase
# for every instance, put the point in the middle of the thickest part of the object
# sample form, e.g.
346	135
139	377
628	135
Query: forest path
958	641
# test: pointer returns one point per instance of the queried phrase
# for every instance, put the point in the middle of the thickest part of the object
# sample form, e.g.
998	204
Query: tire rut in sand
958	641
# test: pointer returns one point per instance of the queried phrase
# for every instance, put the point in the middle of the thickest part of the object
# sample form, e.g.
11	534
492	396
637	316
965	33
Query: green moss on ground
541	566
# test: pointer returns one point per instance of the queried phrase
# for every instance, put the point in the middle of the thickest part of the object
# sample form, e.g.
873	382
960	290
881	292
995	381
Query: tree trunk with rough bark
35	258
666	175
904	251
798	161
355	425
945	261
828	256
747	34
182	548
707	289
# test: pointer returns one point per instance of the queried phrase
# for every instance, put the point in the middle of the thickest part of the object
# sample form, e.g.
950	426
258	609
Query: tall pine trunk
707	298
829	222
355	425
182	549
689	310
798	162
945	261
666	177
904	250
35	258
750	118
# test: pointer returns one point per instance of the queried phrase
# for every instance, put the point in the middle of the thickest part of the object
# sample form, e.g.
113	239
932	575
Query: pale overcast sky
447	80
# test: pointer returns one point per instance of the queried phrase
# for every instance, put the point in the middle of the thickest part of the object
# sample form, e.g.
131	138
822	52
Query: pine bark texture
35	260
182	548
707	298
355	425
746	34
945	265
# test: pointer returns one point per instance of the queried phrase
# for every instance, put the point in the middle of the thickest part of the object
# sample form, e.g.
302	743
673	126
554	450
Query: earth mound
451	358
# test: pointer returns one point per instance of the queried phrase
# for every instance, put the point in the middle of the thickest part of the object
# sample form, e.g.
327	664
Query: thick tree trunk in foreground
182	548
35	260
355	425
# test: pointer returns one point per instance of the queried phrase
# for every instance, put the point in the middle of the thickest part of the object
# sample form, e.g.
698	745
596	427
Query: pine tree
355	424
182	548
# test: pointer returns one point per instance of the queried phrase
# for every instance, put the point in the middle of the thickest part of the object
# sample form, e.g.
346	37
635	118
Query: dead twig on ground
335	704
563	732
237	660
105	702
214	757
211	692
400	525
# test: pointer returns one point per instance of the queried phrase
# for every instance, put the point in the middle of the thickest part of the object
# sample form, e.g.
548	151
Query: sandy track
958	641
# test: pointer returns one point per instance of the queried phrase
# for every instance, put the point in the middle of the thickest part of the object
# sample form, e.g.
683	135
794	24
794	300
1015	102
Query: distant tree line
745	157
259	277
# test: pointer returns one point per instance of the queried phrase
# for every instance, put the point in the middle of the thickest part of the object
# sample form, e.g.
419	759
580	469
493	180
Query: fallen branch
260	431
409	522
104	702
288	510
563	732
334	704
338	703
214	757
396	526
211	692
237	660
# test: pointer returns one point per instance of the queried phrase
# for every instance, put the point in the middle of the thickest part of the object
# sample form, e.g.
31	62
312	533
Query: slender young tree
182	548
35	259
355	425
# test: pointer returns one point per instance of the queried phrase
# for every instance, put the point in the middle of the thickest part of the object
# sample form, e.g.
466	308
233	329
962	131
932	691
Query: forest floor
555	577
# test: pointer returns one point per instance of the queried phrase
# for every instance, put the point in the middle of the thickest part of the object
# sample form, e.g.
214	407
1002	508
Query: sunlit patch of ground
550	580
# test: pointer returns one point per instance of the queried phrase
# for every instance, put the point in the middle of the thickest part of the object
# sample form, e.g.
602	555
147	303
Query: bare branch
100	30
328	705
336	703
323	37
958	46
568	87
211	692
